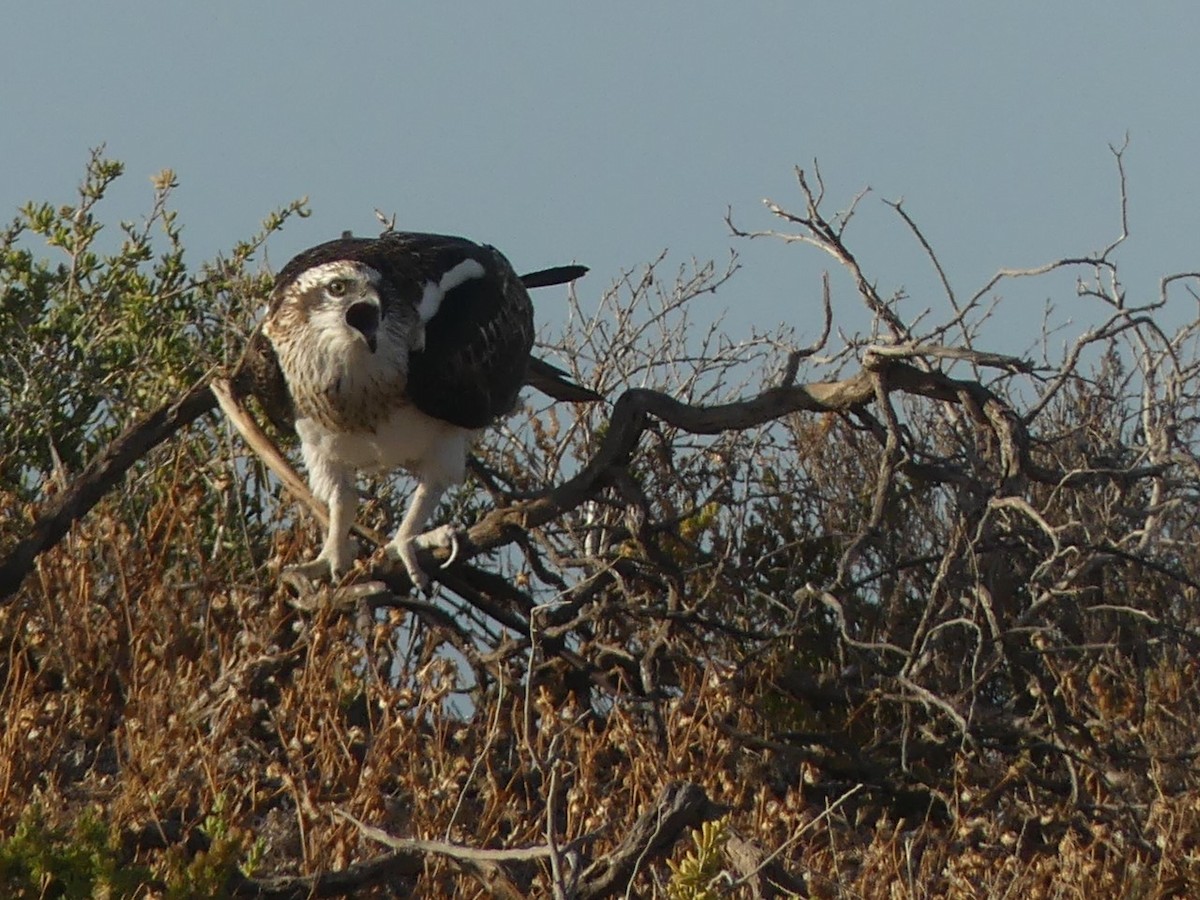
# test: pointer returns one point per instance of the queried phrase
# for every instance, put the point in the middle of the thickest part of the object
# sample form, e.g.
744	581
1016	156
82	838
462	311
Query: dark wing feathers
259	374
476	348
556	275
557	384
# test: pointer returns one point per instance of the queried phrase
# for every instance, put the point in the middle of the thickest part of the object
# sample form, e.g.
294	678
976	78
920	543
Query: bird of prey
396	351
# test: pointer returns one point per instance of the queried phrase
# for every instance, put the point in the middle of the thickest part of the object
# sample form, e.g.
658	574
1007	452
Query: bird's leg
409	540
335	485
338	550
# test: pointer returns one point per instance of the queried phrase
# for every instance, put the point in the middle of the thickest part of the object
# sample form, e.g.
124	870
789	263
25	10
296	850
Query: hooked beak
363	317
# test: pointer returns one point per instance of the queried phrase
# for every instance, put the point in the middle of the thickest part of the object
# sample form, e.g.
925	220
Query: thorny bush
922	625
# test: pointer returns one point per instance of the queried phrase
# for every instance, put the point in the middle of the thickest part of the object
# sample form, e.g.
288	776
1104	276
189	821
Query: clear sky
606	132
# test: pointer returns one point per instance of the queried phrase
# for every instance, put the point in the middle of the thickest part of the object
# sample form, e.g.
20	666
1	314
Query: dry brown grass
152	698
938	639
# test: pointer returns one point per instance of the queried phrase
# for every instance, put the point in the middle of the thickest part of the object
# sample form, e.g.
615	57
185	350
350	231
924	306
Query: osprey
395	352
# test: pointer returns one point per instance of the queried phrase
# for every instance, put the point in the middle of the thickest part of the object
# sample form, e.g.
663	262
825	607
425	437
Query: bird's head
339	302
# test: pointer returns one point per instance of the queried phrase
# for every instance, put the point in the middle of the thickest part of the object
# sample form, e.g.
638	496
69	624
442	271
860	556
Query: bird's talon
407	552
314	570
307	578
454	548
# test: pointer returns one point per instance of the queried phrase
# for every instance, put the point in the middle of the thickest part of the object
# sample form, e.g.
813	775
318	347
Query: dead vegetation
906	616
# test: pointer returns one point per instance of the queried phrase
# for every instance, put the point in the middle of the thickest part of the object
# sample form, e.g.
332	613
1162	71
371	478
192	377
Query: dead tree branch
679	807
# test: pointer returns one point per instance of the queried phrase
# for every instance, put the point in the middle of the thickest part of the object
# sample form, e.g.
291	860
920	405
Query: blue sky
607	132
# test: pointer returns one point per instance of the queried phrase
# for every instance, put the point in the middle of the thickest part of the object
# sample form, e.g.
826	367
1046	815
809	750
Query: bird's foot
304	578
315	585
445	537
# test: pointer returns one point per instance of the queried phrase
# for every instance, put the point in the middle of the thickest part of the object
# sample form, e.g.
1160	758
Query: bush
907	615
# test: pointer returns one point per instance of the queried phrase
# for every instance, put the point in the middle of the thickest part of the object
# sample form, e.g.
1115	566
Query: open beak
363	317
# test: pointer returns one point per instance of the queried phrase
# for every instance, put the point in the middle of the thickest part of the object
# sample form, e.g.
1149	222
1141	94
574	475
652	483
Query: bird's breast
404	438
343	386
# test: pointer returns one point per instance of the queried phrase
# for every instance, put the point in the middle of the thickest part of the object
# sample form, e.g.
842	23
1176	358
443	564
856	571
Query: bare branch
679	807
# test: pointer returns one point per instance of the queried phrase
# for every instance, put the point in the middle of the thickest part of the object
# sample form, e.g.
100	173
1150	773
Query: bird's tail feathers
552	276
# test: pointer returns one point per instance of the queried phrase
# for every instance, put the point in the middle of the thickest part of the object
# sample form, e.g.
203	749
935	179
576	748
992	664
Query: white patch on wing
435	292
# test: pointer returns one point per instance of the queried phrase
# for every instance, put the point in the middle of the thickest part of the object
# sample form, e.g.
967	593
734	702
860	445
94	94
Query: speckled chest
343	386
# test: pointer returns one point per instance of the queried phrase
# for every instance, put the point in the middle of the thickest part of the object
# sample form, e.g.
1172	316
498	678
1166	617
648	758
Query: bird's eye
338	287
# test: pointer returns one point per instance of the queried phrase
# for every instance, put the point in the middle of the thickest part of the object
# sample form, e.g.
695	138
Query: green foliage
209	872
83	862
113	323
694	876
106	329
86	861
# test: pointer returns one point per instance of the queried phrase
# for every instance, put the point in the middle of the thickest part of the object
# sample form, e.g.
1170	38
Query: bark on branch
258	375
680	806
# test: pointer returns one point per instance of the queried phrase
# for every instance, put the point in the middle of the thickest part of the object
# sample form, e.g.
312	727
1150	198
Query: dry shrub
922	626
